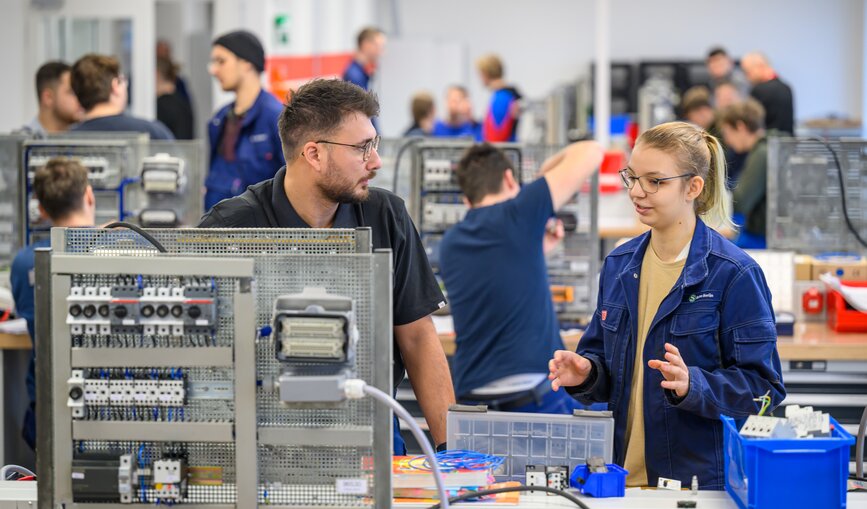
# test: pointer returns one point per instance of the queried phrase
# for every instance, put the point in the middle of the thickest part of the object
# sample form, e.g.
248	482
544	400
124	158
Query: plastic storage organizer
531	439
769	473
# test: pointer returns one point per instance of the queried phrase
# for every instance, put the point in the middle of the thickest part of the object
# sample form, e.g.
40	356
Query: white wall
19	86
817	46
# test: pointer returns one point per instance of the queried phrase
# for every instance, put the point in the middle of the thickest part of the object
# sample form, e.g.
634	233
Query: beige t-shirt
657	279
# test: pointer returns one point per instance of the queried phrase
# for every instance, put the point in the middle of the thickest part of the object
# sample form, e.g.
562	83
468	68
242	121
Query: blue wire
458	460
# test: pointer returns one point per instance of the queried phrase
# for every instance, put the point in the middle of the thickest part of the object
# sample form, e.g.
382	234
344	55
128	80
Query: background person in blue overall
370	46
683	330
493	266
501	120
245	143
66	198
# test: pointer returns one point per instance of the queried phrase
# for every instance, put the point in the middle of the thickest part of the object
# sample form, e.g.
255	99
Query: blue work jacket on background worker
719	315
258	153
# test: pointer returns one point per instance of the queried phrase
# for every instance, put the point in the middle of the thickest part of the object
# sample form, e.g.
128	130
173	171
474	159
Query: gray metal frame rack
267	453
435	205
805	210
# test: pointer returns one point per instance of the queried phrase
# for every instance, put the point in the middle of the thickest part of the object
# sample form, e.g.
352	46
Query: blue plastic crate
609	484
766	473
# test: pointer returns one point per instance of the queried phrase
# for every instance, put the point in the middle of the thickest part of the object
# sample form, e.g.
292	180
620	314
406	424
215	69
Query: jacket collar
695	269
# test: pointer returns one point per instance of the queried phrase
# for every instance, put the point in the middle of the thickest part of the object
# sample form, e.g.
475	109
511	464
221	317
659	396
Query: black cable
842	190
475	494
400	151
145	235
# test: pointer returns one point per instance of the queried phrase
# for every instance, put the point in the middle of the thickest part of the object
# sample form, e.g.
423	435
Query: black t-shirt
175	112
415	294
127	123
776	98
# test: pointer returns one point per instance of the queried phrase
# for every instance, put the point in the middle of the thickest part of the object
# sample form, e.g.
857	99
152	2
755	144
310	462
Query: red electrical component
813	301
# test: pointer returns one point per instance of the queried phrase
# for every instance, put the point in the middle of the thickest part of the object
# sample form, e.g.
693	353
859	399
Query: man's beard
340	189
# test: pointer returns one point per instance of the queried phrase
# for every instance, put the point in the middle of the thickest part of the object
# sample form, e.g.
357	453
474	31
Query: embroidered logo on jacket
694	297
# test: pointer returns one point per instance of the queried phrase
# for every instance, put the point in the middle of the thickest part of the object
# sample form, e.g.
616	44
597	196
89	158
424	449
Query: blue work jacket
258	155
719	315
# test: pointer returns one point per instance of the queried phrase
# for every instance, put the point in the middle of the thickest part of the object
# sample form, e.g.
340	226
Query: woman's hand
568	369
674	370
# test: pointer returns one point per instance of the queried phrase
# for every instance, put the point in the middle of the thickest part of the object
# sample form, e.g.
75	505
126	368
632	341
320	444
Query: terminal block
100	172
439	174
440	216
123	393
88	309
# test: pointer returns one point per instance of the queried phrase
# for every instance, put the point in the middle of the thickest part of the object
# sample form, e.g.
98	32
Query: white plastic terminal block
96	392
437	171
442	215
76	393
120	392
146	392
764	426
168	471
668	484
171	393
125	478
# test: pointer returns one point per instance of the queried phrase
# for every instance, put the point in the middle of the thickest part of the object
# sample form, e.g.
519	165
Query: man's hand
568	369
674	371
554	233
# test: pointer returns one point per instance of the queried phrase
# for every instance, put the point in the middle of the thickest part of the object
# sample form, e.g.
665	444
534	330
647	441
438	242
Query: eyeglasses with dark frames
650	185
365	148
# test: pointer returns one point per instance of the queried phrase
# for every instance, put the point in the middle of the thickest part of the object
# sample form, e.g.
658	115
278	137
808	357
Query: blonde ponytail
701	153
714	198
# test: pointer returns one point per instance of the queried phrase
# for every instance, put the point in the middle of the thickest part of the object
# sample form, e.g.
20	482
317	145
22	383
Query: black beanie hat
244	45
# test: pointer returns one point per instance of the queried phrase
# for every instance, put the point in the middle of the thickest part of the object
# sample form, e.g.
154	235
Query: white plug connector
354	388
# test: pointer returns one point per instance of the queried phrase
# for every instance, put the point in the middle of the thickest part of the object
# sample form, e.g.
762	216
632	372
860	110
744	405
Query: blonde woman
684	330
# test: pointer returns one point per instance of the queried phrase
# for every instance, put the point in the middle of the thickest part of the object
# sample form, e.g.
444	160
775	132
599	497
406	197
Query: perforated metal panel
197	454
346	275
304	476
805	209
10	199
212	242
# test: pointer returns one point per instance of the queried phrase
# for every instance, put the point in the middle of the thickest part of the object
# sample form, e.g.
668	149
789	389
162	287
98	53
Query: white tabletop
636	498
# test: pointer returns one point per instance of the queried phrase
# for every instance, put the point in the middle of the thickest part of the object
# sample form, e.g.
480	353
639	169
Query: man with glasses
330	147
493	266
103	92
245	144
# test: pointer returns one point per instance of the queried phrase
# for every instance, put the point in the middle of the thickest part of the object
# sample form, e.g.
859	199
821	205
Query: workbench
637	498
